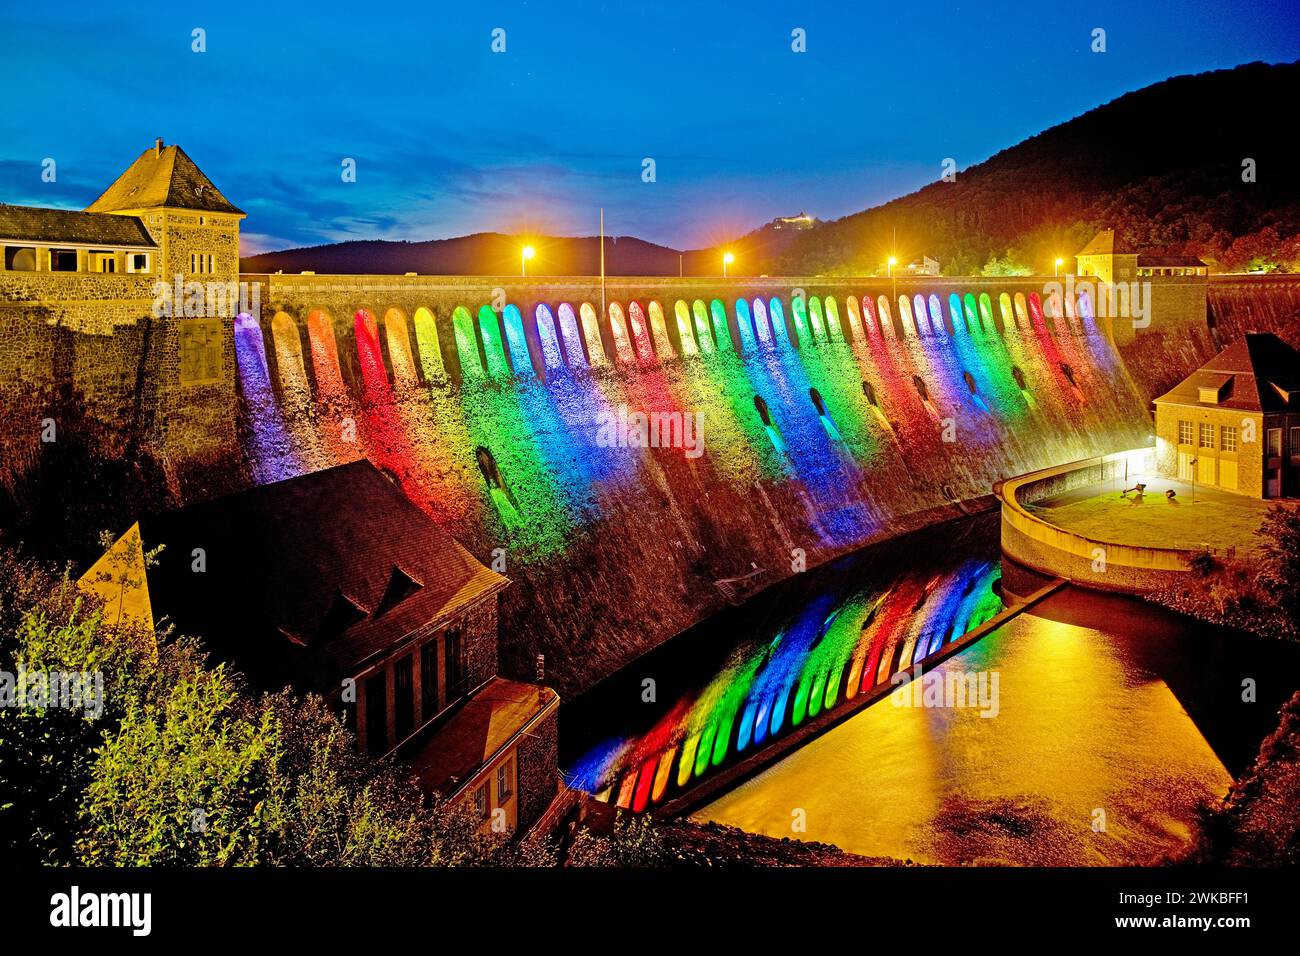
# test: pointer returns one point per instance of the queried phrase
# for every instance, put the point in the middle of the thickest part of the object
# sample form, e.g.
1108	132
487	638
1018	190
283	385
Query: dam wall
802	418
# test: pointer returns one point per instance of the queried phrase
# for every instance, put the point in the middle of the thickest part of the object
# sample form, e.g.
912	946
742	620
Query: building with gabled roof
336	583
162	225
1234	423
1107	257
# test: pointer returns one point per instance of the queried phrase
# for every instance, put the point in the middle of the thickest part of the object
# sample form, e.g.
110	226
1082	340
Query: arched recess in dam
430	346
685	331
289	360
663	343
400	354
623	351
324	355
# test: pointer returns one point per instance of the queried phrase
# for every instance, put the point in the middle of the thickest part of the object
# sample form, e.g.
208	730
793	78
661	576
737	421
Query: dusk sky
450	138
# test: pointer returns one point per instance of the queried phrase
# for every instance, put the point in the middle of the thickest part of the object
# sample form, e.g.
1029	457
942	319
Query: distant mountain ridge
1162	165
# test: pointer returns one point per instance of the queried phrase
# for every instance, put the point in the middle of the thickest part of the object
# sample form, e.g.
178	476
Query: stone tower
195	226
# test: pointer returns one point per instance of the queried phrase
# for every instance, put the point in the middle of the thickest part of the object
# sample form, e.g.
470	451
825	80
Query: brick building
335	583
1234	423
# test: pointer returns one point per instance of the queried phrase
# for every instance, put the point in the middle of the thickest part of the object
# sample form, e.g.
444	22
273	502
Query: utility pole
603	312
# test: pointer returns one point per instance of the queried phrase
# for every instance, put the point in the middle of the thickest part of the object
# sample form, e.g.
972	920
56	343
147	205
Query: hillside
1162	165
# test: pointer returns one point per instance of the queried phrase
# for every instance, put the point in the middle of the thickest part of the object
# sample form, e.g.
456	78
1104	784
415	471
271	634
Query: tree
180	765
1280	565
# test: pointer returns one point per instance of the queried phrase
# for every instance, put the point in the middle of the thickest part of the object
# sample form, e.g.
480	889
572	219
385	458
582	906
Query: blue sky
450	138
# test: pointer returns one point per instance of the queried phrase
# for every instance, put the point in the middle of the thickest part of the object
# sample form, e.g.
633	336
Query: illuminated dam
829	414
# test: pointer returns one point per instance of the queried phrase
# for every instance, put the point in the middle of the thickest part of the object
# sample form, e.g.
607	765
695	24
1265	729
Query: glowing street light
727	259
890	270
524	255
1056	266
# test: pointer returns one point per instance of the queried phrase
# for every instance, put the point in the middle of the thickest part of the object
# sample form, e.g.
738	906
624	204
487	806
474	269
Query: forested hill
1162	165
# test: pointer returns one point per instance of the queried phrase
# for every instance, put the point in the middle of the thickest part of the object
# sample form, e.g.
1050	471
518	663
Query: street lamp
890	268
727	259
524	255
1056	266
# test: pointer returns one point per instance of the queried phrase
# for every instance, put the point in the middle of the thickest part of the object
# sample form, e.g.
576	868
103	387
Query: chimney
157	146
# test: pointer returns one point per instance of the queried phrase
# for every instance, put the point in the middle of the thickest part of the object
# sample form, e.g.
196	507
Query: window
1228	437
377	713
1184	433
1275	443
20	259
481	800
105	261
505	783
1295	442
403	698
137	262
202	263
454	663
1207	435
429	679
63	260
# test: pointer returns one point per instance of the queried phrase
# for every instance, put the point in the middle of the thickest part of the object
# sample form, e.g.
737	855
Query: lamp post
1056	266
526	253
727	259
889	268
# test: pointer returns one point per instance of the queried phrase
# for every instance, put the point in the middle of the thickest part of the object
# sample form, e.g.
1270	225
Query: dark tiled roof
1104	243
37	224
300	585
163	178
1170	261
444	758
1254	364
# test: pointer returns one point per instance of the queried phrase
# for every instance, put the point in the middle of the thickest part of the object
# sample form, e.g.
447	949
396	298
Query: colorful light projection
834	411
832	649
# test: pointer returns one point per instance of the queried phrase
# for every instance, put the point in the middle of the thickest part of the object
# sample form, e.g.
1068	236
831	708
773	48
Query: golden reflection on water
1091	760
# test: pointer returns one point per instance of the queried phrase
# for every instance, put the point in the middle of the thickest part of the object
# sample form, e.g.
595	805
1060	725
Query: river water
1111	721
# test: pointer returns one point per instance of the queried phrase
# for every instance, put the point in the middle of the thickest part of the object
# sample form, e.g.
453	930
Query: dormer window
1285	389
1214	390
342	614
400	586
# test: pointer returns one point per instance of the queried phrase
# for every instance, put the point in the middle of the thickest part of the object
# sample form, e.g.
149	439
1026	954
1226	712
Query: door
1184	466
1273	464
1206	470
1228	473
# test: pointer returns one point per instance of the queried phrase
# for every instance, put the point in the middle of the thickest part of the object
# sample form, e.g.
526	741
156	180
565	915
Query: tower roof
1257	373
1104	243
163	176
